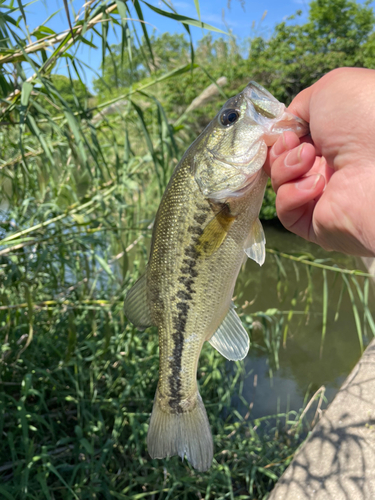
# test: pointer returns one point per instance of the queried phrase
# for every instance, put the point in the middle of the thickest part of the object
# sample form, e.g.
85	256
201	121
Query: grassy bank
75	406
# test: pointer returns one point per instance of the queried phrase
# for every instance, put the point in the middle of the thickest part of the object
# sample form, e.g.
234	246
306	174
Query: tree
337	33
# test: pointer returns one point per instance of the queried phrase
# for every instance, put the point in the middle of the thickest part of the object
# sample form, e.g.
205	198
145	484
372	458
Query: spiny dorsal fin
215	232
256	243
136	305
231	339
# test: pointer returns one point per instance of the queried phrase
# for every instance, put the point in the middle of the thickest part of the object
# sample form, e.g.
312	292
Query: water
283	379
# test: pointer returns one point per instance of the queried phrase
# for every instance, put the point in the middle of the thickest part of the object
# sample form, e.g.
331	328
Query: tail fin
181	433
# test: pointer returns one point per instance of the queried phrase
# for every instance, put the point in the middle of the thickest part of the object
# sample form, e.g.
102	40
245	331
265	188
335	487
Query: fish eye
229	116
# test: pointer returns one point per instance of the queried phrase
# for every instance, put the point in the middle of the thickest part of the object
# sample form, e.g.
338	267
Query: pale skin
325	183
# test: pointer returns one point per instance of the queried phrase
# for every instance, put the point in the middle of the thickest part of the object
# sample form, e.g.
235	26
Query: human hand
325	184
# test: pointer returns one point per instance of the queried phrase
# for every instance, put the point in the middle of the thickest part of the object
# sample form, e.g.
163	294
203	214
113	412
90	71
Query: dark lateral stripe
200	218
179	325
185	295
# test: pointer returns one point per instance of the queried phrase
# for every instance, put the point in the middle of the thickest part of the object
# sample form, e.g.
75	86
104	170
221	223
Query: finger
285	142
295	202
303	225
288	140
300	105
292	165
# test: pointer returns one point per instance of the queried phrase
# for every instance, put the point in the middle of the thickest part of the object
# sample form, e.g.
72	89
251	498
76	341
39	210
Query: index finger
300	105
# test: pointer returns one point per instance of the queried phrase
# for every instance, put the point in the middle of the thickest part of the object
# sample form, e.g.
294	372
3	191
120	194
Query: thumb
300	105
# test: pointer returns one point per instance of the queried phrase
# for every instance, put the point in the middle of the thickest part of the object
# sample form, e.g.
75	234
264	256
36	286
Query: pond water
278	380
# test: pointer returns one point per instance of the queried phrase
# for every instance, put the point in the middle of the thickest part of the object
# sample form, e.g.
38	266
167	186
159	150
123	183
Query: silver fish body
206	222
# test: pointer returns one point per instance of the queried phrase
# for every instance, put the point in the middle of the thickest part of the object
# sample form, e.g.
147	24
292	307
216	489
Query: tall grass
75	408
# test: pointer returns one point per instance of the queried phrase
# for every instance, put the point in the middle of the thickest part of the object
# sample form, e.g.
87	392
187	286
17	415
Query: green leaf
87	42
184	19
57	474
72	336
121	7
268	473
6	494
36	131
144	29
46	30
22	11
355	312
88	447
149	143
325	309
42	32
104	265
68	15
73	124
196	2
26	91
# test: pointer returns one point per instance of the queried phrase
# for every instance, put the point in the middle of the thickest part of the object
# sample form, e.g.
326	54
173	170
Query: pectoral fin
215	233
256	243
231	339
136	305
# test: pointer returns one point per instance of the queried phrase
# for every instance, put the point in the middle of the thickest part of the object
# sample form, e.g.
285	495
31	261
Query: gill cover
235	147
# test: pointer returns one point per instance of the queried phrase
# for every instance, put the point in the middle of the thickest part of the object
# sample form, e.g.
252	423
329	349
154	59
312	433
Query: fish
206	225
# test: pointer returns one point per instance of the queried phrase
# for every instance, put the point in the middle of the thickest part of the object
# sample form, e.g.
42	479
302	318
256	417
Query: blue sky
245	18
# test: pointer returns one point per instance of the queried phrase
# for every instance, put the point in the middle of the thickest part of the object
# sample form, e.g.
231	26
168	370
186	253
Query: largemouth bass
207	222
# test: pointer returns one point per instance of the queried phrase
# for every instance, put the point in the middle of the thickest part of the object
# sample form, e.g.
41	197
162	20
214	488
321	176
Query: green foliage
216	58
121	71
76	405
73	92
338	33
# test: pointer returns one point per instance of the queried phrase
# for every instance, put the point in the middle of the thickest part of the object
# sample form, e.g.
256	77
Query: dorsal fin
231	339
136	305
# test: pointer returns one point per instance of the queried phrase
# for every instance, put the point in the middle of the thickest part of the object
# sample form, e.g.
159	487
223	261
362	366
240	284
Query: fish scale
207	222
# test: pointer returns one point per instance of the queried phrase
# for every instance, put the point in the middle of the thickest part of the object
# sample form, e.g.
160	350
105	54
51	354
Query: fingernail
294	157
308	183
279	146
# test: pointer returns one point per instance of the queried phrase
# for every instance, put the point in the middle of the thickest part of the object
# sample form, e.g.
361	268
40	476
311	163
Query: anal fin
136	306
231	339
